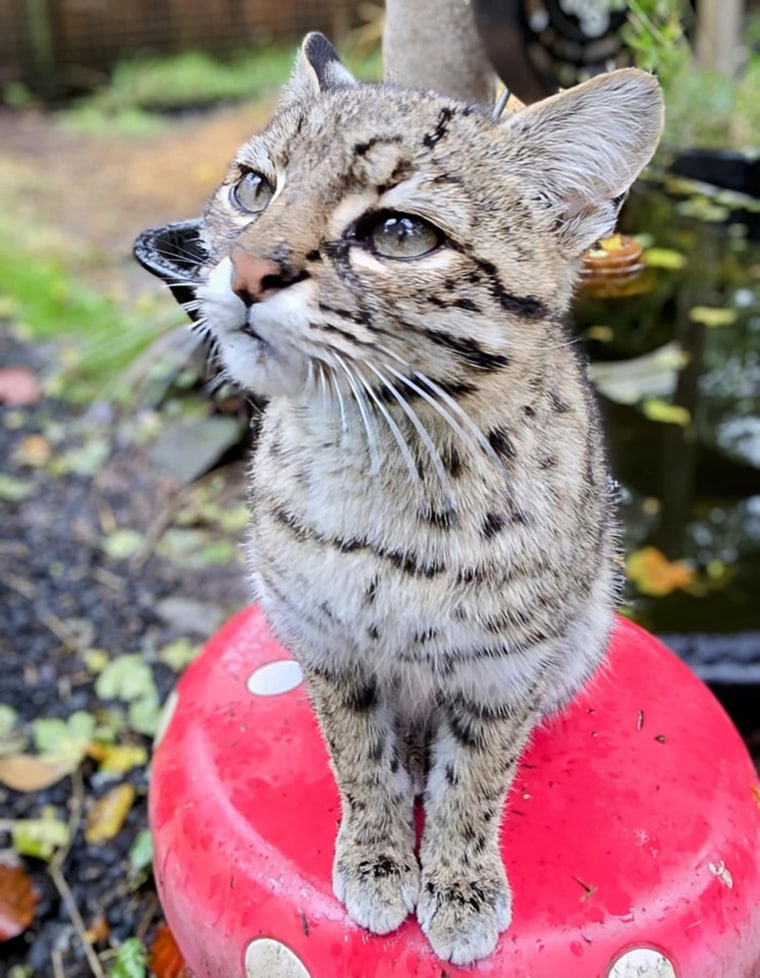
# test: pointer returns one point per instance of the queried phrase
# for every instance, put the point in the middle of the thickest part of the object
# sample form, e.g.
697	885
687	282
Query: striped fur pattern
432	531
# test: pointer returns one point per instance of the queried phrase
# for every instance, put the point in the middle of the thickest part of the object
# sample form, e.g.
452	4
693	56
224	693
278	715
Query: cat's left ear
317	69
582	149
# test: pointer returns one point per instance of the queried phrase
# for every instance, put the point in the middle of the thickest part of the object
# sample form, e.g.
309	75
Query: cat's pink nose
253	277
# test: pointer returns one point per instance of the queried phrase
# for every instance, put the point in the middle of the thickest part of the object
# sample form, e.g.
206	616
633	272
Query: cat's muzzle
175	254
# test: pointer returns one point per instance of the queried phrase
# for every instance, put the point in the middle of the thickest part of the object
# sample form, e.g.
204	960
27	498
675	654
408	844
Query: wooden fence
44	41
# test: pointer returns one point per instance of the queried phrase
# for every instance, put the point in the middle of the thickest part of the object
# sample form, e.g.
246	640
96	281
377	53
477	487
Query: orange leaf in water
652	573
165	958
108	814
18	900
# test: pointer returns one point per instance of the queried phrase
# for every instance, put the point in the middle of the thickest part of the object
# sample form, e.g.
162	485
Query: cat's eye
252	192
401	236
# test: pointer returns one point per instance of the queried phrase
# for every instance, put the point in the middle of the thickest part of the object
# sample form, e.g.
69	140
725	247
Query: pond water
678	370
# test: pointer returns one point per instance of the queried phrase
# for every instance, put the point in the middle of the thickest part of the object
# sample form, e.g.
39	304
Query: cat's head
371	232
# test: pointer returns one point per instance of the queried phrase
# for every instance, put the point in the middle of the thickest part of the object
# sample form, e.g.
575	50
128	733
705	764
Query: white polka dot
165	717
642	962
275	678
267	957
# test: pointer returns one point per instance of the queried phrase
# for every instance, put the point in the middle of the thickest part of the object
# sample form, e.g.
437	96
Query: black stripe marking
525	306
468	350
409	563
558	405
444	117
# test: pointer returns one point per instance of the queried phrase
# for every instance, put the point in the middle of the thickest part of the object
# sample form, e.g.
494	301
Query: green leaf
87	459
96	660
665	258
141	853
13	490
712	317
179	654
64	740
127	678
123	544
40	837
130	961
144	714
8	718
658	410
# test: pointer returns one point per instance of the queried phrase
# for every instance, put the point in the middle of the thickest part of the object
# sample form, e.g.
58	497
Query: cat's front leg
375	871
465	900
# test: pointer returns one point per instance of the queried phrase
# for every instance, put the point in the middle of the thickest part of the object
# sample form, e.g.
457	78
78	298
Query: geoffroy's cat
433	534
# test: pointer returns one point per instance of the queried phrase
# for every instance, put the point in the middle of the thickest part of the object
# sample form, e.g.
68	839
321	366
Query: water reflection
691	476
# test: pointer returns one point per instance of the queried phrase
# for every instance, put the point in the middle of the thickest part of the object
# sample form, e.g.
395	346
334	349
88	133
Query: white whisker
394	428
424	435
361	403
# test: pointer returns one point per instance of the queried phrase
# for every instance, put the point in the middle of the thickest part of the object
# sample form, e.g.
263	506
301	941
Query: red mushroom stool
632	837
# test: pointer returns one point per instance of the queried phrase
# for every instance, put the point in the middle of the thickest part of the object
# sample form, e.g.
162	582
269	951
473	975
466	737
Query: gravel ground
61	595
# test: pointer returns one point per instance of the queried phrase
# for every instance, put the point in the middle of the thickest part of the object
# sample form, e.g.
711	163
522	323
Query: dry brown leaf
19	387
34	451
18	899
107	815
165	958
30	772
652	573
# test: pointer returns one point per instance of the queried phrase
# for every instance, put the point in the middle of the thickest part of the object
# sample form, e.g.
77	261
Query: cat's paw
463	918
378	889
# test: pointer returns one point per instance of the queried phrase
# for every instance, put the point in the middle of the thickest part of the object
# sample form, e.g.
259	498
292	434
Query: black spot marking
444	117
442	519
362	696
370	592
451	460
374	632
493	524
313	255
547	462
425	636
450	774
501	442
558	405
529	411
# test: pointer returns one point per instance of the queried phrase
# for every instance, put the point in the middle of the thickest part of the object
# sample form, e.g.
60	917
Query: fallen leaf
666	258
39	837
123	544
107	815
30	772
658	410
179	654
33	451
18	899
13	490
144	713
141	853
118	758
652	573
98	931
130	960
87	459
96	660
713	317
127	678
19	386
64	741
165	958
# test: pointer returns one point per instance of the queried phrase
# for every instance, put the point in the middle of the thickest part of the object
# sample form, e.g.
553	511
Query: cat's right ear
317	69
